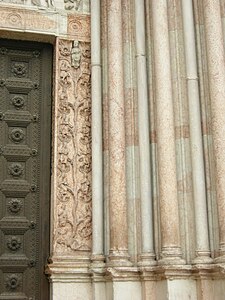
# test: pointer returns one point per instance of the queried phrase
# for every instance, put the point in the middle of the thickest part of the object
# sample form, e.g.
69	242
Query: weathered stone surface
67	25
72	220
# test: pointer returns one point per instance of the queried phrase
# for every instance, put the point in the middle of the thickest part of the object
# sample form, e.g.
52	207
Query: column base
202	257
98	259
70	278
219	260
98	268
221	257
171	256
119	258
146	259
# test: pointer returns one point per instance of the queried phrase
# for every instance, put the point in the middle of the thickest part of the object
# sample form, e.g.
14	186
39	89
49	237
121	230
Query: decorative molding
73	202
19	69
16	170
27	19
45	3
18	101
78	27
15	205
17	135
14	243
13	281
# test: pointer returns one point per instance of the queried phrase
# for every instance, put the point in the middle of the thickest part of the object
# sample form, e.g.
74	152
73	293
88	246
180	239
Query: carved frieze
73	4
73	182
26	19
79	6
48	3
76	26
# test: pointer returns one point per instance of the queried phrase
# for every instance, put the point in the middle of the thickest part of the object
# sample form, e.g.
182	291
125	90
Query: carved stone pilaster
72	207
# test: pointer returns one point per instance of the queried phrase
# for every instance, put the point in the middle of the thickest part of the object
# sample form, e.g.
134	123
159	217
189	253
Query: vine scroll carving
73	179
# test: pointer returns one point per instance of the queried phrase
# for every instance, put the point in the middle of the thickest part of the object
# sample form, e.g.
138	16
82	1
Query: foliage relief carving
48	3
72	4
73	215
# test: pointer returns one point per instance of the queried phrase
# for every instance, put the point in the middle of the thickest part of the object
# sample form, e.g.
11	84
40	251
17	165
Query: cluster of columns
170	250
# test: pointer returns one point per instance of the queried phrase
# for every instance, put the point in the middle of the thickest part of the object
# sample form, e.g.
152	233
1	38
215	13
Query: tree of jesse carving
73	216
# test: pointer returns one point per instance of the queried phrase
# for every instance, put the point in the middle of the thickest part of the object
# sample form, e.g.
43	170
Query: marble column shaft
170	235
198	169
97	159
216	69
117	189
144	136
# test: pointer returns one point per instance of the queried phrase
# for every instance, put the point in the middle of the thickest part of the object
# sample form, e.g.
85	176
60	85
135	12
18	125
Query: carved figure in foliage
75	55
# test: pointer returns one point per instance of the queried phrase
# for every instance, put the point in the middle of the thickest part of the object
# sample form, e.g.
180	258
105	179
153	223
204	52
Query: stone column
117	190
97	160
147	255
169	215
216	69
198	169
98	284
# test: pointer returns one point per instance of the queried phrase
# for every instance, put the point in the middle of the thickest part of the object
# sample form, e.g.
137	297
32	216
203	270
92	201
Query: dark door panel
25	124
